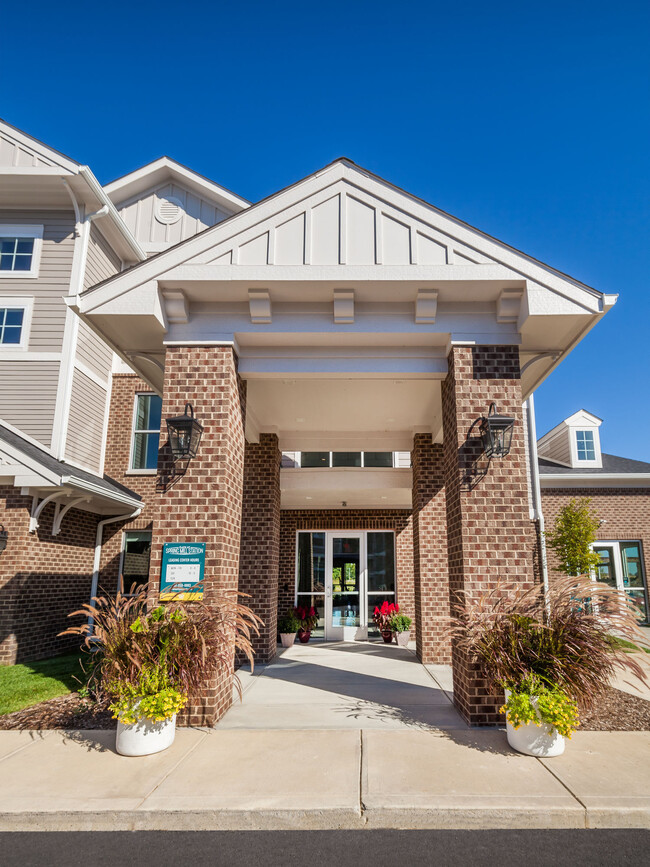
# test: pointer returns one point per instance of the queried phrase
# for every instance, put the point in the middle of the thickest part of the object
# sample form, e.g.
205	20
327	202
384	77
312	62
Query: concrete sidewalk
345	778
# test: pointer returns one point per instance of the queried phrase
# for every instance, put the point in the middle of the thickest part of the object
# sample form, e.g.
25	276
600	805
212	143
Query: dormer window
585	445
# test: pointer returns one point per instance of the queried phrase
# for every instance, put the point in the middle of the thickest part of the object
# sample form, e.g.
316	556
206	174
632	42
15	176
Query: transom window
11	325
146	432
16	254
586	449
346	459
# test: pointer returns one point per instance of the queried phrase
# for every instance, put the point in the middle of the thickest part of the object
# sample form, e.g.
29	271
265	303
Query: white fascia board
18	458
98	491
335	478
39	147
130	185
130	246
595	480
582	418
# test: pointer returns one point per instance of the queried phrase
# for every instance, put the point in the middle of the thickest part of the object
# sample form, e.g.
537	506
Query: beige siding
140	215
558	448
93	352
28	395
85	422
53	281
102	262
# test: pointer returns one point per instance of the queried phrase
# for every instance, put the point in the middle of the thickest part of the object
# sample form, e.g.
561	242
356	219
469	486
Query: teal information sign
183	565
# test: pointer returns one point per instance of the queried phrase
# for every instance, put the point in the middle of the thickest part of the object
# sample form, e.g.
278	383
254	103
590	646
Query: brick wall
42	578
490	535
625	513
430	563
204	504
397	520
260	539
116	467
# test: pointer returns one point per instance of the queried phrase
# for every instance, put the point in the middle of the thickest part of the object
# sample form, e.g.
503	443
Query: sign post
183	565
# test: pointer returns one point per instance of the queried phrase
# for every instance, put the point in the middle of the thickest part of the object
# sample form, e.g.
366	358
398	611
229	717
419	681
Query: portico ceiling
343	279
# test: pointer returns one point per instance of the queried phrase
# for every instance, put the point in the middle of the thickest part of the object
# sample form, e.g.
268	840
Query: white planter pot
145	737
403	638
543	741
287	638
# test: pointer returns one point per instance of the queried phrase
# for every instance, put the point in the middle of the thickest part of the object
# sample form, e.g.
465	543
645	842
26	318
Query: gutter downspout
98	552
536	487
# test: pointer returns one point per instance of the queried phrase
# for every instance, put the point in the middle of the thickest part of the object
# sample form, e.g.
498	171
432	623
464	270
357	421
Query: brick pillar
430	565
488	523
260	539
204	504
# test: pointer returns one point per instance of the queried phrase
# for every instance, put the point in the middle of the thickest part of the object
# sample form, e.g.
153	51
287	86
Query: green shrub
400	623
288	623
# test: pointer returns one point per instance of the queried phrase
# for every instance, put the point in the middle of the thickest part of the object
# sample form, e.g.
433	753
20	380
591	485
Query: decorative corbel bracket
509	305
259	304
426	306
344	306
176	306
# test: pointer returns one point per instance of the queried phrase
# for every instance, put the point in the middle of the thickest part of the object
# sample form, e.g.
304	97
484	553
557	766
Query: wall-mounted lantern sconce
184	434
496	433
3	538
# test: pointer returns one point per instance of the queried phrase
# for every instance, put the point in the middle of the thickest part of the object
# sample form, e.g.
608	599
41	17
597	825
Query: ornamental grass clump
148	663
557	651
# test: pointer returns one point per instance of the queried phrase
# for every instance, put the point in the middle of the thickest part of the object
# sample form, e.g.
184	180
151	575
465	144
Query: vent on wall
169	210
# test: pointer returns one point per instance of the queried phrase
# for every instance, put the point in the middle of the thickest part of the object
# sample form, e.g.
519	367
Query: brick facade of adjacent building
43	578
624	513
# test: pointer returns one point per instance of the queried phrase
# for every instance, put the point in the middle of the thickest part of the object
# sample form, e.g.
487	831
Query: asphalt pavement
326	848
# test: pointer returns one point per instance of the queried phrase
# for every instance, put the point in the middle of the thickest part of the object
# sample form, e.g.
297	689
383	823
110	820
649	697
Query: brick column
204	504
488	523
260	539
430	568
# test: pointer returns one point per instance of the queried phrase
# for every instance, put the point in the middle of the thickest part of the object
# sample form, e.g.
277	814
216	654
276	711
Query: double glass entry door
344	575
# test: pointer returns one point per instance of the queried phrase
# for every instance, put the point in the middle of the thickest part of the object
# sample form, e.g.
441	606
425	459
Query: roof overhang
594	480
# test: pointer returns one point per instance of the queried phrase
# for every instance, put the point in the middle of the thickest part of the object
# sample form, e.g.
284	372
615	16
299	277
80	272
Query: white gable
19	150
561	445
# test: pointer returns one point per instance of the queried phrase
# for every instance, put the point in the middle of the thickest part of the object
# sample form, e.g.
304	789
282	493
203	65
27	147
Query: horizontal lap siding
53	281
28	396
101	261
86	422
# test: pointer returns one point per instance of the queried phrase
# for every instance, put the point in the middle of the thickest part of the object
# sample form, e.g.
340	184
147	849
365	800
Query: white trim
107	413
9	230
578	462
82	368
615	544
26	304
26	355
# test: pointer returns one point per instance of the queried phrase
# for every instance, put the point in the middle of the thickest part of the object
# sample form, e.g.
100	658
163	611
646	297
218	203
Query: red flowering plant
307	615
383	615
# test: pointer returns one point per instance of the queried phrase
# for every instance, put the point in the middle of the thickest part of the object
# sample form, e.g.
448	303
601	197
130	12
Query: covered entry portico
344	315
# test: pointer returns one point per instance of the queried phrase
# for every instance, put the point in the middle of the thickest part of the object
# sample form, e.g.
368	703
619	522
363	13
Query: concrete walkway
328	736
345	685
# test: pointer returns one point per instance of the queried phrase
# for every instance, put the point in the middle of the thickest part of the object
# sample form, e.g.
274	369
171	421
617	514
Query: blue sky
530	121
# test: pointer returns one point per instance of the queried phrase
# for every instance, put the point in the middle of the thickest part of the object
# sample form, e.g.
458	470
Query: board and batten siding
28	396
85	422
53	281
198	214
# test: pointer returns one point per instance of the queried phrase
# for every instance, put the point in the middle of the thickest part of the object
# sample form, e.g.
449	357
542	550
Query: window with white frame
346	459
585	445
15	320
146	432
20	251
621	566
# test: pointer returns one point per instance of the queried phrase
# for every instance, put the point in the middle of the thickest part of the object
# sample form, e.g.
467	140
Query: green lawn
28	683
627	646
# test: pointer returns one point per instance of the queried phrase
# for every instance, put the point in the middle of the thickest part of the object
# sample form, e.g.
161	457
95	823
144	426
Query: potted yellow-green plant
148	663
552	654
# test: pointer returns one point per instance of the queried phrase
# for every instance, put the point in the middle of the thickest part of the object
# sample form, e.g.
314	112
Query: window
15	319
20	248
146	432
135	559
11	325
621	566
586	448
346	459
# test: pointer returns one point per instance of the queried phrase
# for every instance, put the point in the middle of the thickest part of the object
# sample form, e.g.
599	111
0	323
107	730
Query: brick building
340	343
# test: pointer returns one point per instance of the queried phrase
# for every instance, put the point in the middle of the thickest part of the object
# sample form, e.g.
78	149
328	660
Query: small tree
573	533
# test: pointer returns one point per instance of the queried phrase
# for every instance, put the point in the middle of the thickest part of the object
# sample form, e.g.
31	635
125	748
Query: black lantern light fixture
496	433
184	434
3	538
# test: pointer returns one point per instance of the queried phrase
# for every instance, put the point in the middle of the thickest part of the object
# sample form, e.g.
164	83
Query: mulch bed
615	711
66	712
